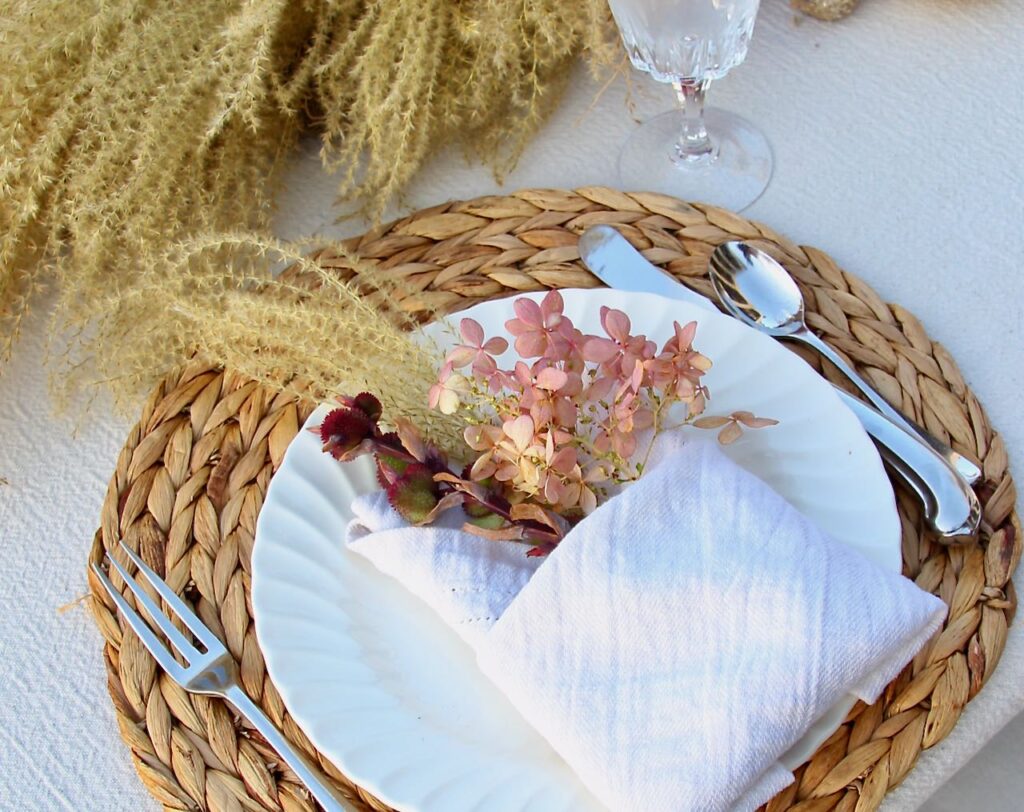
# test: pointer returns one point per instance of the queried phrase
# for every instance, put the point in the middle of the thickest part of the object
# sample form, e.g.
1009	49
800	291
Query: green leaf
489	521
414	494
389	468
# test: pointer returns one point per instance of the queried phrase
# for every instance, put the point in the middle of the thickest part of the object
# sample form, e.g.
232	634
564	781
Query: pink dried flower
563	483
547	435
547	399
568	415
483	439
475	350
679	368
540	329
571	356
617	354
618	439
519	453
732	425
550	379
446	394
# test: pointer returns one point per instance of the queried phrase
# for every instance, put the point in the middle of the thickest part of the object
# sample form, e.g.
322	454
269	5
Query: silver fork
212	672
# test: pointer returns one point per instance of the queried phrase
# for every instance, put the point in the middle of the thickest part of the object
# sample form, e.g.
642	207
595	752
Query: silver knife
951	506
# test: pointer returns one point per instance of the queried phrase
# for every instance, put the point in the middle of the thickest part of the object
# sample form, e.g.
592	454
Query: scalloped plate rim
275	649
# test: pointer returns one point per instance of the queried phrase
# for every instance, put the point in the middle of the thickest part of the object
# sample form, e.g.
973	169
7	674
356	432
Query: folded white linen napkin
467	580
679	640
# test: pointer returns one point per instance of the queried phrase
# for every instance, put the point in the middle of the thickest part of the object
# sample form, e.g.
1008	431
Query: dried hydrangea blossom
546	439
569	416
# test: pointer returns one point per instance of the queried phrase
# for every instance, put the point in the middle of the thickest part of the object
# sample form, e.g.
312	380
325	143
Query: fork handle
314	780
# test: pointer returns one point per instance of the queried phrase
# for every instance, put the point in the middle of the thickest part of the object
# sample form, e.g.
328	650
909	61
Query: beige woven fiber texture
189	483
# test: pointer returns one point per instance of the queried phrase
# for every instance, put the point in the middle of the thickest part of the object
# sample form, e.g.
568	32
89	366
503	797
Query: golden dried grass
134	134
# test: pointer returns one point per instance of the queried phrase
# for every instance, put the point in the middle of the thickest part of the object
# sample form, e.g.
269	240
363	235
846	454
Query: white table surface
898	142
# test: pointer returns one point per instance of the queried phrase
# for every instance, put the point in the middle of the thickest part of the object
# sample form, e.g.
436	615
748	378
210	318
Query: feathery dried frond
130	131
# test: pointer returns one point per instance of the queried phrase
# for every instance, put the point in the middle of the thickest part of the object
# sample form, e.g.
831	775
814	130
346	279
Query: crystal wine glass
710	156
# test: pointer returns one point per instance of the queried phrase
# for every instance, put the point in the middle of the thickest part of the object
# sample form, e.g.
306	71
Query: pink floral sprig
565	423
547	439
420	485
732	425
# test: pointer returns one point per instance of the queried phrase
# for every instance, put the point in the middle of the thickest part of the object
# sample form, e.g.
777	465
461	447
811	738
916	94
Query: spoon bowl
756	289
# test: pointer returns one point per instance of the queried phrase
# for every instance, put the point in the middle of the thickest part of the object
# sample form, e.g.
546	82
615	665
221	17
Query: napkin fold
679	640
467	580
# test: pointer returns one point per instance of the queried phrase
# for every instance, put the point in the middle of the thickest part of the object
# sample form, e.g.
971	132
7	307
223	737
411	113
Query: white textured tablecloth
897	137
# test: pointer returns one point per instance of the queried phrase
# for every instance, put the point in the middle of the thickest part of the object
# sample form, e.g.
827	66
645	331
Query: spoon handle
950	504
963	466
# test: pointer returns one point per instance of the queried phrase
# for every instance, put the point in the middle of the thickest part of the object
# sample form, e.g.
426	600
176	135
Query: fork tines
195	658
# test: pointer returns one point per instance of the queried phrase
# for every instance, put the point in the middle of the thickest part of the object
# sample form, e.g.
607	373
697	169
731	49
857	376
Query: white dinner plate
394	698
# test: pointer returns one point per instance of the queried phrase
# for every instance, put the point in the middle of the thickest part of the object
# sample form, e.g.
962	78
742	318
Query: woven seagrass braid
192	476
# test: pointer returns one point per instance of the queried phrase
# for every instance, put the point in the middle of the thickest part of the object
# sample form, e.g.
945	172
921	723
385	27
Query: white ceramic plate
386	691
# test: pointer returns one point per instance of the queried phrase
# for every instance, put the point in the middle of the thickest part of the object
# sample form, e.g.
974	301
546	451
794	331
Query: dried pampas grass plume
130	129
316	332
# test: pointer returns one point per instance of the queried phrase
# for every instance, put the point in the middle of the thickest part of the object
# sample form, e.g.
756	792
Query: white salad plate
393	697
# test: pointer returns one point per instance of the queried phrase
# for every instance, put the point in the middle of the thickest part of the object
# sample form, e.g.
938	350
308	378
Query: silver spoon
951	508
760	292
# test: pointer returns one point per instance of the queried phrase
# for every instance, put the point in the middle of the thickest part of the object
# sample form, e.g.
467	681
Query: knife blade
613	260
951	506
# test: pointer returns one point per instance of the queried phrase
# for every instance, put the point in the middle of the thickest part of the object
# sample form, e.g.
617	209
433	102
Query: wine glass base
733	179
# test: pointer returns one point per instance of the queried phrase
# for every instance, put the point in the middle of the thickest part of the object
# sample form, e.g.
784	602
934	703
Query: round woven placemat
191	478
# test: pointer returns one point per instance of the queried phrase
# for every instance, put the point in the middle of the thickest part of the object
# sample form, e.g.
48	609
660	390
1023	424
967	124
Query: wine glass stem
694	147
